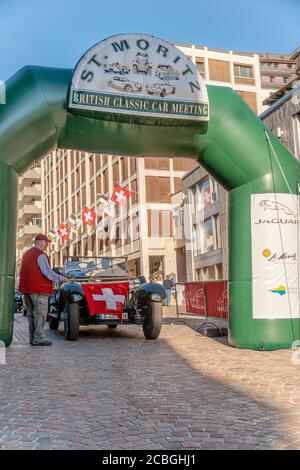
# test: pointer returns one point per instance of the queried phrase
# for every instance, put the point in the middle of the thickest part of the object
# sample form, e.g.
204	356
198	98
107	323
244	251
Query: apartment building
200	214
276	70
29	222
283	115
143	231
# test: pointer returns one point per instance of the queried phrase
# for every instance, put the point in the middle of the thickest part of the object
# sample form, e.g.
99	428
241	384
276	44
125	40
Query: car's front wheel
72	322
111	327
53	323
128	88
163	93
153	321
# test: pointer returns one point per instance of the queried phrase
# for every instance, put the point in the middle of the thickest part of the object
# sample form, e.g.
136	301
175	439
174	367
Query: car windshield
96	267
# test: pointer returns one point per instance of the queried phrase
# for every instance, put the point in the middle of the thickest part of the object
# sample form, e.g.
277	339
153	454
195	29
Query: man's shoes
45	342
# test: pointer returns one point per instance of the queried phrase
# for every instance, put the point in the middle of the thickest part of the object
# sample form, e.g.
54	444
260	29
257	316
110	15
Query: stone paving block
195	392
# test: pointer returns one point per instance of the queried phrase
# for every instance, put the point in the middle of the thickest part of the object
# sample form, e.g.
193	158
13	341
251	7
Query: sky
58	32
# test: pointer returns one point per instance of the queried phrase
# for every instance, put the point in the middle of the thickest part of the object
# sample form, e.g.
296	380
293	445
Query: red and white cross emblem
120	195
88	216
108	298
63	231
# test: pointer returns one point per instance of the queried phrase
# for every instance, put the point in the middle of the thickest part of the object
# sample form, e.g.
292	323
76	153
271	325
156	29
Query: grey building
201	228
283	116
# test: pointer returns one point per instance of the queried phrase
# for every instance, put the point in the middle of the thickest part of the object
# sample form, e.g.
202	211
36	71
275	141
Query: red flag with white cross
88	216
120	195
106	299
64	232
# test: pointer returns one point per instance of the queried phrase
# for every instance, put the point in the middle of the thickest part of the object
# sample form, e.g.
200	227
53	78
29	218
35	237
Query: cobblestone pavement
112	389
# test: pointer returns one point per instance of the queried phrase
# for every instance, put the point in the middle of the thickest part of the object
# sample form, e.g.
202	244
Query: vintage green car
101	292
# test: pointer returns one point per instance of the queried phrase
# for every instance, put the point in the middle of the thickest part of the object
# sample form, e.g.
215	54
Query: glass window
208	235
243	71
200	67
272	79
285	79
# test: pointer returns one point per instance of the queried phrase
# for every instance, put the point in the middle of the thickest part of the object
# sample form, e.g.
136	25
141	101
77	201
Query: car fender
143	295
71	289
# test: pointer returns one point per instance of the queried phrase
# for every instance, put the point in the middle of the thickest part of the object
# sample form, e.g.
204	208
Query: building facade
283	116
29	221
142	231
200	213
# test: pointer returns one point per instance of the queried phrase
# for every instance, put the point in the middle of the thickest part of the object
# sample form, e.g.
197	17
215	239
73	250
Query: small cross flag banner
73	223
120	195
106	299
52	235
88	216
64	232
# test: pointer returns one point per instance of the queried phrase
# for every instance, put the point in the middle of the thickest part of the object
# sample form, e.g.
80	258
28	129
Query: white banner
275	255
140	75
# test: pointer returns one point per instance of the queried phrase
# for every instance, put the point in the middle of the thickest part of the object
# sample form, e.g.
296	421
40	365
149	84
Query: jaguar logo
276	206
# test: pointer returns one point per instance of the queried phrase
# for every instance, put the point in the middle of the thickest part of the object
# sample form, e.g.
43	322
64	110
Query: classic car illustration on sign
122	83
141	63
101	292
116	68
99	83
161	89
167	72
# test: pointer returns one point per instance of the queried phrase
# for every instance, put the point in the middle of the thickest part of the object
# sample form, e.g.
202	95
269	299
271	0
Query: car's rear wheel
112	326
72	322
53	323
153	321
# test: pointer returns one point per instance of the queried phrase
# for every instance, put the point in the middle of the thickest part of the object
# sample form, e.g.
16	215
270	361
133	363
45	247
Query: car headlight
156	297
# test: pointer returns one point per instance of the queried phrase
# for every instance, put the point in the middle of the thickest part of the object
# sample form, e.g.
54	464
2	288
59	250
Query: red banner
106	299
217	298
213	294
194	297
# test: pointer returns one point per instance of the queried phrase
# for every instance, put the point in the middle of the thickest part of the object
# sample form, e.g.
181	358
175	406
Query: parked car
123	84
116	68
142	64
141	306
161	89
167	72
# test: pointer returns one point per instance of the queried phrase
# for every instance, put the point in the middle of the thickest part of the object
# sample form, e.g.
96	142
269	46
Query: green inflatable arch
236	149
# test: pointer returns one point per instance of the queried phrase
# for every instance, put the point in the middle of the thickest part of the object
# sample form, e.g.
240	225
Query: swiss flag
106	298
120	195
88	216
64	232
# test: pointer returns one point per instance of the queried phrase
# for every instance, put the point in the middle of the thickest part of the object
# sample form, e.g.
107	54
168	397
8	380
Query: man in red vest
36	284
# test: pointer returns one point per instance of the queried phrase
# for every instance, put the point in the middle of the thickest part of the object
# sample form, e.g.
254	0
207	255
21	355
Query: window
200	67
208	238
285	79
272	79
243	71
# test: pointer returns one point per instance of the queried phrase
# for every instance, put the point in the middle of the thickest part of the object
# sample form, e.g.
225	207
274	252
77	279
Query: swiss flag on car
88	216
64	232
106	298
120	195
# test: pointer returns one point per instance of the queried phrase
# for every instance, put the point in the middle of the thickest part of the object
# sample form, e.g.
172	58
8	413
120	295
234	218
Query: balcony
31	176
28	232
28	212
29	194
